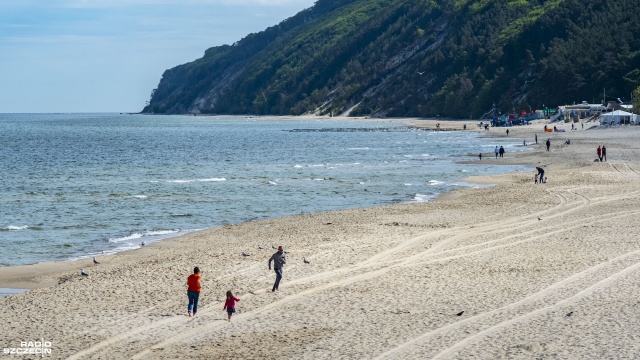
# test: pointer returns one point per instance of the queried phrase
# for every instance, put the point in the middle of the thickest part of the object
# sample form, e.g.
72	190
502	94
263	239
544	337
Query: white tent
617	117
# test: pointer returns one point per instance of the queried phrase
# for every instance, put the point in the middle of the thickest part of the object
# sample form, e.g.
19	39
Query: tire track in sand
536	296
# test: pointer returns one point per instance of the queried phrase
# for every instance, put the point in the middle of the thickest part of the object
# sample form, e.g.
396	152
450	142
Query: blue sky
107	55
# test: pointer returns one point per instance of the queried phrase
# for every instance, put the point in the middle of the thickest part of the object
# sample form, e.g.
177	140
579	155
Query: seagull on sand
245	254
273	247
305	260
539	218
260	247
95	262
569	314
460	313
83	273
142	243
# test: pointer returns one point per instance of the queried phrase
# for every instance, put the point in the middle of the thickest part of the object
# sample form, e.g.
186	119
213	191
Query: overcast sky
107	55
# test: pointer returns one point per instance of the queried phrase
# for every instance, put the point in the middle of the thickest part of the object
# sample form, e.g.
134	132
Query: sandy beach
515	271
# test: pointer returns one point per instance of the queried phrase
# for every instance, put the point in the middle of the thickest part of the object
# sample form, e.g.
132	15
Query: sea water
77	185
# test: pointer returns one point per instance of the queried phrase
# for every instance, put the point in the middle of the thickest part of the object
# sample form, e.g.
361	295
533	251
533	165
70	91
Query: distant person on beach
599	152
548	144
480	156
536	138
230	304
193	291
279	260
501	151
507	132
497	151
604	153
540	174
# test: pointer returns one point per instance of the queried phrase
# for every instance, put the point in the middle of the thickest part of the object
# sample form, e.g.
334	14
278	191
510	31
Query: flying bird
460	313
420	73
245	254
306	261
83	273
95	261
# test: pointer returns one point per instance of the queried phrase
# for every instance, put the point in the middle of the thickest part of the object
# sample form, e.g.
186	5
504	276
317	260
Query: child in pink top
230	304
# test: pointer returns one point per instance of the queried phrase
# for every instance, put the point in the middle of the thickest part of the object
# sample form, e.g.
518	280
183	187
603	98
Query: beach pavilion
617	117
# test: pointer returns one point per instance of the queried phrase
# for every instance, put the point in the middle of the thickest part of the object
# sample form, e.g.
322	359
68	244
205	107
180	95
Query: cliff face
416	58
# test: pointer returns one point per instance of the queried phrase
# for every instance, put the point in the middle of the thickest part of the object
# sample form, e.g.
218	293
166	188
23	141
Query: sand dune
539	271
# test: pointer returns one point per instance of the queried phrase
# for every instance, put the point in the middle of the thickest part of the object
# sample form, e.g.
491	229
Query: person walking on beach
279	260
230	304
480	156
604	153
501	151
548	144
507	132
497	151
536	138
599	151
540	174
193	291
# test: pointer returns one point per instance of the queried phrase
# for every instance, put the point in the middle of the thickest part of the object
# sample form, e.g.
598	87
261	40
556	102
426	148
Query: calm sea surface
75	185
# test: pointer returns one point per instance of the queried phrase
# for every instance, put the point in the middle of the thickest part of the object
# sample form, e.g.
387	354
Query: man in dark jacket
279	260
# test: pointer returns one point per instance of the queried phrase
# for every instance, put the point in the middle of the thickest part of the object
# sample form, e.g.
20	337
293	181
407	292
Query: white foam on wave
140	196
359	148
15	228
273	182
297	166
435	182
197	180
133	236
423	197
145	234
132	241
471	185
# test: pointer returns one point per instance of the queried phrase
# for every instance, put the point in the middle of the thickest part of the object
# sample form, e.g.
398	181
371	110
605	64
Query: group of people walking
602	153
194	286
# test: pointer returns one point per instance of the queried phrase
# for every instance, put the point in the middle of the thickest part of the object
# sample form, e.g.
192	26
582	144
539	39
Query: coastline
43	274
515	258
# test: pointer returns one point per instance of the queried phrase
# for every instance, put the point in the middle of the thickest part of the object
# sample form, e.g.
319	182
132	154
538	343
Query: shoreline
518	270
21	277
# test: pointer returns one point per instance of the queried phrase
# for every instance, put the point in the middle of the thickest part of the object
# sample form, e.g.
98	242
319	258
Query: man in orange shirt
193	291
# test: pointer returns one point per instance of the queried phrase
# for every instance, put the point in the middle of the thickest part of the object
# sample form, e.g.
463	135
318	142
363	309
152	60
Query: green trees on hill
450	58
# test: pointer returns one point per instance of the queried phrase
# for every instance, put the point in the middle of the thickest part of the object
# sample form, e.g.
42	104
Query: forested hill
451	58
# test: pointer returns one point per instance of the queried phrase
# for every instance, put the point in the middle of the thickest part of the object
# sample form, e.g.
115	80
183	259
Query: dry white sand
383	282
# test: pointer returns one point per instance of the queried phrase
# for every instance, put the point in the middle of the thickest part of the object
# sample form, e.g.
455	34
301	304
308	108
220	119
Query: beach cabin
574	113
618	117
